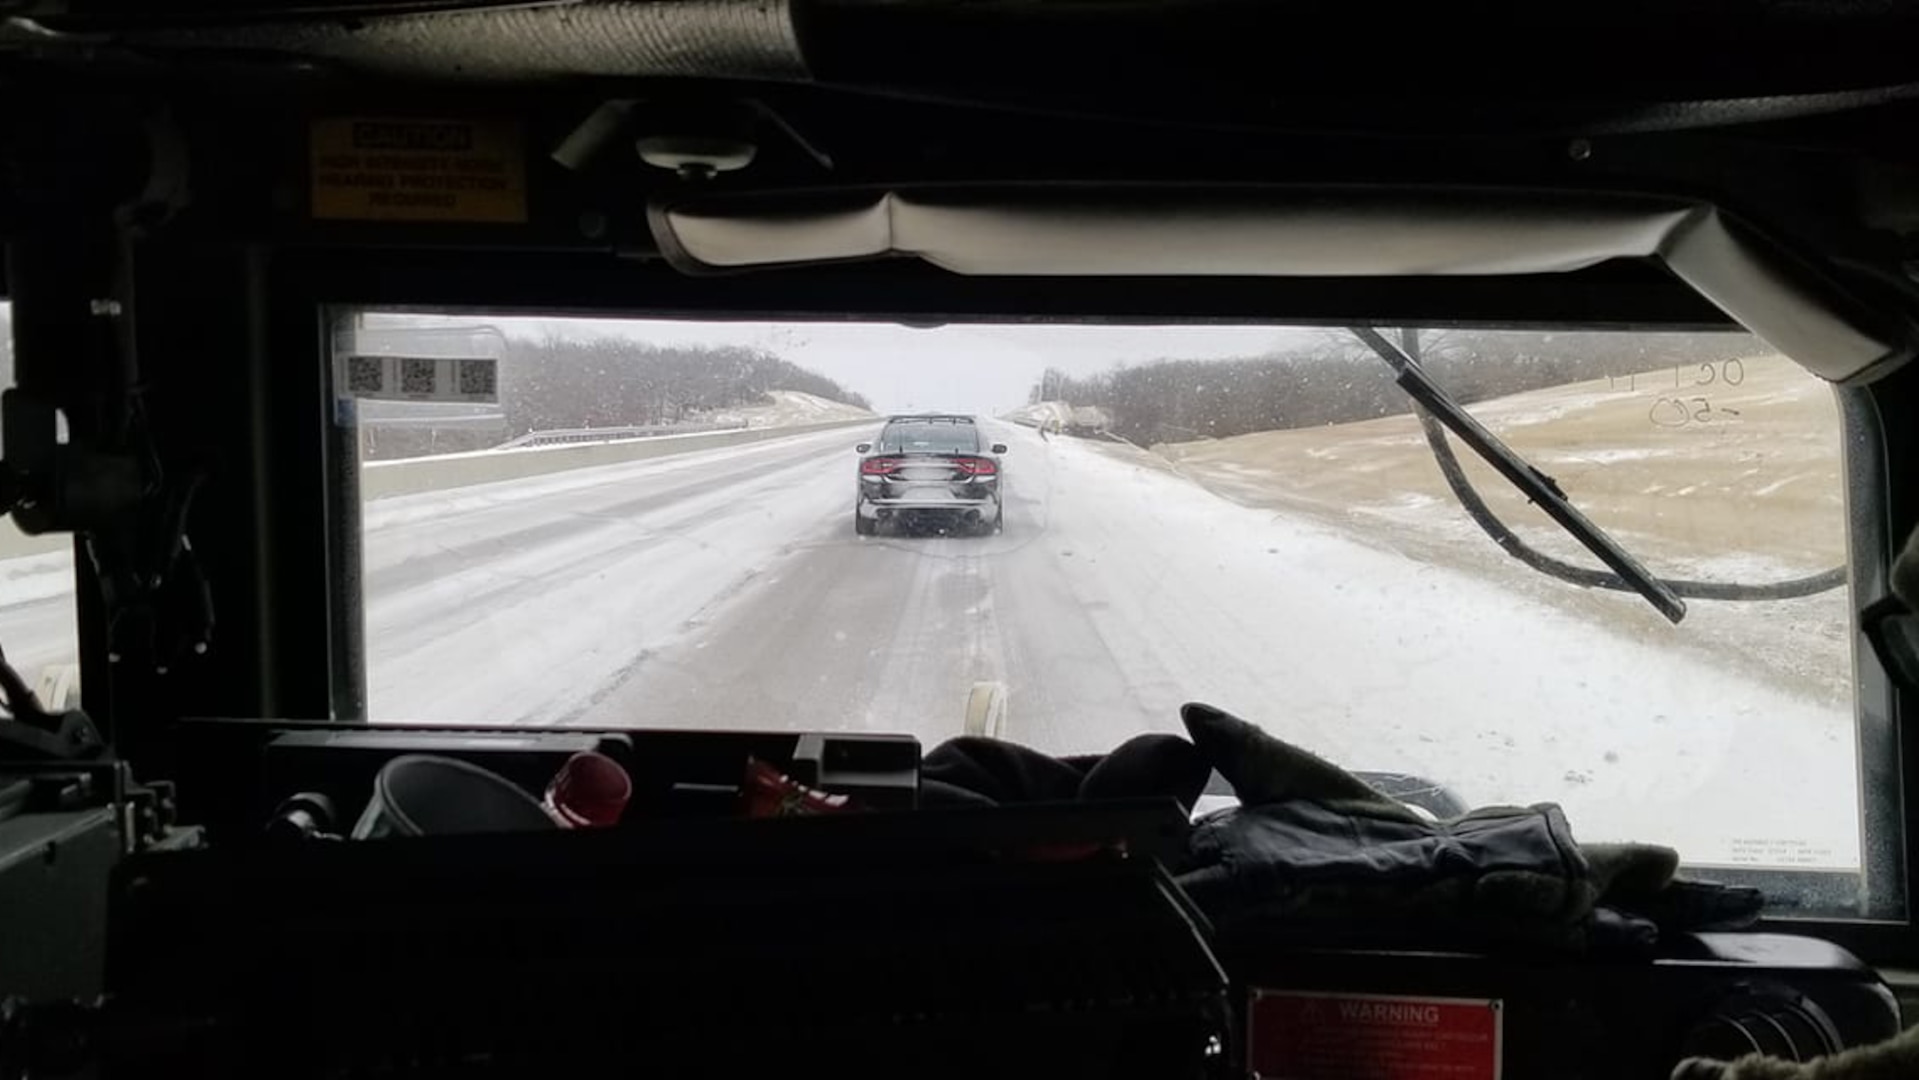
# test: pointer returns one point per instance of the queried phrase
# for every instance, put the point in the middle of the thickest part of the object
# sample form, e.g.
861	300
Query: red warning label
1311	1036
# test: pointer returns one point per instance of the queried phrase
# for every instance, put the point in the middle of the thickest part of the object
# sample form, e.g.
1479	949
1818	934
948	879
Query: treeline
1338	380
557	382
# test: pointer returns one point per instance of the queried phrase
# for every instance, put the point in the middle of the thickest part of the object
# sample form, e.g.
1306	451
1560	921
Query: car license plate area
924	493
927	474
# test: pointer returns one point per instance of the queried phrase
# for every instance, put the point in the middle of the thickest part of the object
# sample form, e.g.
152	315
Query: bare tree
1329	377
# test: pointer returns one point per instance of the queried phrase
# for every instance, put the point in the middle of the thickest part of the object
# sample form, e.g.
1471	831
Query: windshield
671	524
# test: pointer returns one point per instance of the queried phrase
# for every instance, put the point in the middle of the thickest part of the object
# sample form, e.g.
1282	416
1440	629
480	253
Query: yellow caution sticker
412	169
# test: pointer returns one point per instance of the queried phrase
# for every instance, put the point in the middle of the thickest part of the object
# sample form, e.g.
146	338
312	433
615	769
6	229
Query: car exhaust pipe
972	517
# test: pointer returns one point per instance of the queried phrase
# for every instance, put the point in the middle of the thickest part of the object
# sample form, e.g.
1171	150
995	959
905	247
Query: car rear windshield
933	437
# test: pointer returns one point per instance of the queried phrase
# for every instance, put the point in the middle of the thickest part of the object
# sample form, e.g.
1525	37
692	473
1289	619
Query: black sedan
933	469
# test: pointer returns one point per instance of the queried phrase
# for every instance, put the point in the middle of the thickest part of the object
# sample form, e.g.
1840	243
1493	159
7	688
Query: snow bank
790	408
1049	414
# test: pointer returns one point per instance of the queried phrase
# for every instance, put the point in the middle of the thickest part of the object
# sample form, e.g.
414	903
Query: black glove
1314	855
973	770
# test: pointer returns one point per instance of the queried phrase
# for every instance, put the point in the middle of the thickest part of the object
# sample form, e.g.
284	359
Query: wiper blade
1535	485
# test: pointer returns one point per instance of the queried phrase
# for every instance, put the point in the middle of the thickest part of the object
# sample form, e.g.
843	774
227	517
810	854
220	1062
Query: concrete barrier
385	479
408	476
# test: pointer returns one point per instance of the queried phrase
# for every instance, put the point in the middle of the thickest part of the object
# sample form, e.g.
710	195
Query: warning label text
1311	1036
417	170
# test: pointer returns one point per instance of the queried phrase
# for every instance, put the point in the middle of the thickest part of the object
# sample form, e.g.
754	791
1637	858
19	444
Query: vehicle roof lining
1052	231
1792	50
749	39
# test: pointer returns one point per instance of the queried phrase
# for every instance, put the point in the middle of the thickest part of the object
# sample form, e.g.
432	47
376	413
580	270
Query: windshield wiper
1541	489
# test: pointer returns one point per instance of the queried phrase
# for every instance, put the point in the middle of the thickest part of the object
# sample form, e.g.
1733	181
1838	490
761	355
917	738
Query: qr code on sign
364	375
478	378
416	375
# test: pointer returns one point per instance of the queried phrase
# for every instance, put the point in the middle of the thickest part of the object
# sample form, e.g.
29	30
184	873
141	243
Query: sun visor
1213	233
1773	296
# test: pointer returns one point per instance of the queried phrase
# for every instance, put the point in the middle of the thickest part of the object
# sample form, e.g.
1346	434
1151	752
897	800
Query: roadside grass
1727	472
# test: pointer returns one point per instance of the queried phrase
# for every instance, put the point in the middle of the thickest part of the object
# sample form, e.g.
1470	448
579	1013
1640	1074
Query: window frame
1888	763
590	289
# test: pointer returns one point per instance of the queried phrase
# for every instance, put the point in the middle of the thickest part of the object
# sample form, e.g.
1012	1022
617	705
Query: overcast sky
962	368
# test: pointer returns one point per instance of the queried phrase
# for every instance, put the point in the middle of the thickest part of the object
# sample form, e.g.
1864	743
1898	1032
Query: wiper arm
1536	486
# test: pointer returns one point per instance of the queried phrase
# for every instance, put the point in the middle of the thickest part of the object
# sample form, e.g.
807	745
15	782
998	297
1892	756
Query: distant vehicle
929	468
1088	420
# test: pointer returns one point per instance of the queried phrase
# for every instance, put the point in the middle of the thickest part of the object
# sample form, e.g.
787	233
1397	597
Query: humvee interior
1382	544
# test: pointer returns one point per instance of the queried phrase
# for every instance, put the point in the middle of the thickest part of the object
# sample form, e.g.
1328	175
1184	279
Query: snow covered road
727	589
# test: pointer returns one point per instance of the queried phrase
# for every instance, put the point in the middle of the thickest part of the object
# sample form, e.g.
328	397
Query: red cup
590	791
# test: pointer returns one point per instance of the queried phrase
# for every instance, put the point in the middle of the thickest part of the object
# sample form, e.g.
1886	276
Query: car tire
999	521
864	526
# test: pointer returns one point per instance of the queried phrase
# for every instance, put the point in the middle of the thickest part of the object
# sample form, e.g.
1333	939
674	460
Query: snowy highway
726	588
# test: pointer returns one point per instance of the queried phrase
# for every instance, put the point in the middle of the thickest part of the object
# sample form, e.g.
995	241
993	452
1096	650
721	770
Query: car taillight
976	466
879	466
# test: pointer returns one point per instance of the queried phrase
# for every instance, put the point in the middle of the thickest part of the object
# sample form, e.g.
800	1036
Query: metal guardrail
404	476
564	436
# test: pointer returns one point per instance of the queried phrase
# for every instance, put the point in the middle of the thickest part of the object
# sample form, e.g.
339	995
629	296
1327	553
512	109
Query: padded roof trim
729	38
1241	233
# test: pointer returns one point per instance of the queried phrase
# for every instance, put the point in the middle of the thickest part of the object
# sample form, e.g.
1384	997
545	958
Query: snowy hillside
790	408
1732	479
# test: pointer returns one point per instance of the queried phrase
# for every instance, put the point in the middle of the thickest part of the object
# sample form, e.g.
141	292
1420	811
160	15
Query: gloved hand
1750	1067
974	770
1894	1059
1315	855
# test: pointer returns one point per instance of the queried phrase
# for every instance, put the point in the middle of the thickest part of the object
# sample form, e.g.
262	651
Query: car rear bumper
985	504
